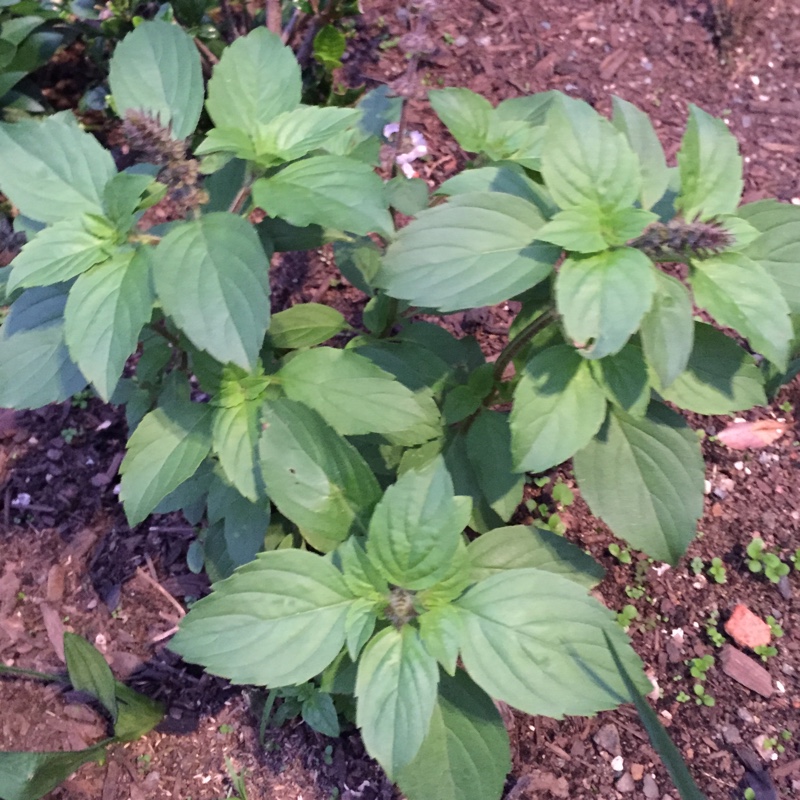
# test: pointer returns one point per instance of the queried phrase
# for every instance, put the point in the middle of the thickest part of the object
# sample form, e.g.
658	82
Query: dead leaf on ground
747	435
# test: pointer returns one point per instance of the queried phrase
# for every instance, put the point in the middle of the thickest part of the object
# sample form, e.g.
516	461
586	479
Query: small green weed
699	667
717	571
622	554
627	615
702	698
766	651
697	565
759	560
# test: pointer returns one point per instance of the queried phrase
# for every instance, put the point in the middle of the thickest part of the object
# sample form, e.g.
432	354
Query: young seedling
622	554
760	560
775	627
766	651
717	570
626	617
702	698
712	631
699	667
697	565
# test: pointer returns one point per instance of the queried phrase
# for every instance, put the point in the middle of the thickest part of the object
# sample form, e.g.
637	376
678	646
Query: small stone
785	588
637	771
607	738
625	784
744	715
747	629
650	787
730	733
617	763
788	669
742	668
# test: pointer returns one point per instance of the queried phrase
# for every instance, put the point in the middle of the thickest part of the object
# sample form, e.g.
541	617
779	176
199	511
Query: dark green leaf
319	712
644	478
245	522
359	262
624	379
329	46
89	672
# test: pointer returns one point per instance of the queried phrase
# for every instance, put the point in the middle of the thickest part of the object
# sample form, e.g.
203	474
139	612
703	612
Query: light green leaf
667	329
297	132
356	397
777	250
235	433
156	69
305	325
331	191
740	294
166	449
329	46
315	478
558	407
35	367
256	79
526	546
89	672
396	691
577	229
624	379
416	527
105	312
467	116
245	522
710	168
277	621
226	140
137	714
362	577
638	130
441	632
585	160
57	254
360	624
720	376
644	478
476	250
52	170
602	298
122	196
466	755
212	277
542	661
408	196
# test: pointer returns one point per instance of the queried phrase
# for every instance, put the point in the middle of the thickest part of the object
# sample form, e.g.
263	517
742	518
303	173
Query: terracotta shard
744	670
747	629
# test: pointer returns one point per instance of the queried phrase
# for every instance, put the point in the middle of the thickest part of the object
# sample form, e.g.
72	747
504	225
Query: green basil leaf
137	714
89	672
305	325
441	632
624	379
244	523
465	114
319	712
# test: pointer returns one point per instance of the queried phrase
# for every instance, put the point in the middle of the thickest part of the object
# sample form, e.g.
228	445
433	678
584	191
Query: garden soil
69	560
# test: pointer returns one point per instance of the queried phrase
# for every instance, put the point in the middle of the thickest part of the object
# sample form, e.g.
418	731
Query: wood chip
55	629
744	670
612	62
55	584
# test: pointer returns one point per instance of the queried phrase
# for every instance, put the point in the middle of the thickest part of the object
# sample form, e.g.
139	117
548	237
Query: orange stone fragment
747	629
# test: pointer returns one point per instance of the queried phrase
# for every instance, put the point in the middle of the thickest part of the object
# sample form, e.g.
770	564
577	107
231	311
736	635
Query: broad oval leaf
602	298
720	376
52	170
212	277
166	449
476	250
466	755
315	477
105	312
740	294
558	407
156	69
526	546
416	527
466	114
624	379
357	397
644	478
396	690
277	621
535	640
710	168
777	250
244	522
332	191
256	79
305	325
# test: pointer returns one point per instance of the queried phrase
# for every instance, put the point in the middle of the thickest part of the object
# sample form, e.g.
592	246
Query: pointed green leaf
396	691
319	712
416	527
361	576
52	170
35	367
466	755
122	196
156	69
624	379
441	632
576	229
305	325
408	195
89	672
315	478
777	250
245	522
602	298
212	277
476	250
536	641
720	376
467	116
558	407
668	329
644	478
585	160
360	625
357	397
277	621
710	168
235	433
105	312
331	191
137	714
526	546
57	254
740	294
240	96
164	451
638	130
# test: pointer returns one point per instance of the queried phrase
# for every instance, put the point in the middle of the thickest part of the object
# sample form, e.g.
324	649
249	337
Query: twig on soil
273	14
161	590
159	637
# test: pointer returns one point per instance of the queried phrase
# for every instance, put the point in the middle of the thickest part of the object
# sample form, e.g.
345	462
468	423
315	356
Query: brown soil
70	560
